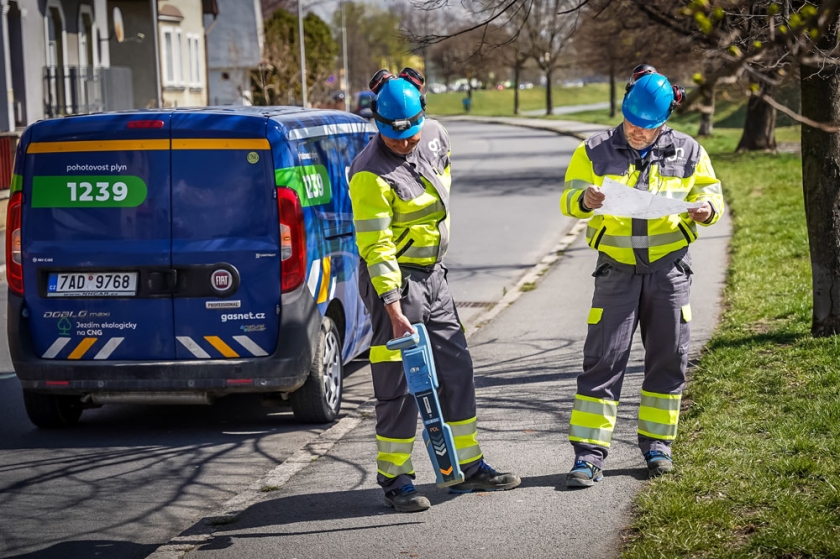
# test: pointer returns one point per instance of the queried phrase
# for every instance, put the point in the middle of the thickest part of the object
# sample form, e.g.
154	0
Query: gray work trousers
655	300
425	299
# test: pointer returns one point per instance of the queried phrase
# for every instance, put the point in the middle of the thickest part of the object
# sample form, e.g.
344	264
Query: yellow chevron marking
82	348
325	281
97	145
223	348
219	143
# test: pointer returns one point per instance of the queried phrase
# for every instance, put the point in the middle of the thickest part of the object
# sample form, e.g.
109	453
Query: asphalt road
129	478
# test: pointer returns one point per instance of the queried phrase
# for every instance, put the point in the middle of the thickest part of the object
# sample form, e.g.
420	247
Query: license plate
93	284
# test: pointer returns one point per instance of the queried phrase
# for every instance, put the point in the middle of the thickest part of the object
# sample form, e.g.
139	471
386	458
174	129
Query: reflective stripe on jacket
401	207
676	167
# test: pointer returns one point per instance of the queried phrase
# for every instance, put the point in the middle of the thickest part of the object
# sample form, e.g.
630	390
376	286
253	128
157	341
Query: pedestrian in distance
399	189
643	272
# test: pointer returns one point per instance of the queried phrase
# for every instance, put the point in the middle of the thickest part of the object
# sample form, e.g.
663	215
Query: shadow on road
89	549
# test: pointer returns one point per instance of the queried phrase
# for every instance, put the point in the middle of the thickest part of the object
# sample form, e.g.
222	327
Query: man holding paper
646	187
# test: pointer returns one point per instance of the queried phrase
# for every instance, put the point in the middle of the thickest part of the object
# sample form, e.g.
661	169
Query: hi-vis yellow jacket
676	167
401	207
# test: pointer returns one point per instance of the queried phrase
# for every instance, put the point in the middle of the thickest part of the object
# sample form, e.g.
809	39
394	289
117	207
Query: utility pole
344	55
302	56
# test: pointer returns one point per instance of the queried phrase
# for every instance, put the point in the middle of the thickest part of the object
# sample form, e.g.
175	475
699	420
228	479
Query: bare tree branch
825	127
429	40
575	9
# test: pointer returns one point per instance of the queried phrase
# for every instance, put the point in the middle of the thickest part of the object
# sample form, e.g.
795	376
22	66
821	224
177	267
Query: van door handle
171	280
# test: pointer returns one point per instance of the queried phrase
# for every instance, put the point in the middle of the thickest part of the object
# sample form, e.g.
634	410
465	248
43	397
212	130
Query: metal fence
74	90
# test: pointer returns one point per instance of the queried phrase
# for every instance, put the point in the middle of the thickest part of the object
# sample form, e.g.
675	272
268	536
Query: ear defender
376	82
638	72
679	96
379	79
416	79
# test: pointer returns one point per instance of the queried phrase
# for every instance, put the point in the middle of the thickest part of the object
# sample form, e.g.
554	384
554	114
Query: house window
193	43
172	58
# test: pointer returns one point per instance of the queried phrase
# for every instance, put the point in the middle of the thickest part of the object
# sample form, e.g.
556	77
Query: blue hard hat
649	101
399	110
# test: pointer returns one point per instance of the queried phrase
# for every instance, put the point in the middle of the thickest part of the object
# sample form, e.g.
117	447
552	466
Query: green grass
758	454
500	103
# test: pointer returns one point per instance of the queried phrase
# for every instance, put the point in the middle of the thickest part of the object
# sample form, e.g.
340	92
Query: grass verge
758	454
500	103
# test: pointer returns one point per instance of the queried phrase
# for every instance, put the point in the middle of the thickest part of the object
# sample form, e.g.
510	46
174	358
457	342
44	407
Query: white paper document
625	201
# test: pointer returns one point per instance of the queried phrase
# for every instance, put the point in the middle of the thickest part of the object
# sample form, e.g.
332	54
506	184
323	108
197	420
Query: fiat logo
221	280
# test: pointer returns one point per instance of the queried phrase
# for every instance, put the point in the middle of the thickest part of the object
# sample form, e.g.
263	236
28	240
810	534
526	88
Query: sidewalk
324	502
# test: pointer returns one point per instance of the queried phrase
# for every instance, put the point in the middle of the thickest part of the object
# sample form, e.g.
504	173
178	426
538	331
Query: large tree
820	86
799	39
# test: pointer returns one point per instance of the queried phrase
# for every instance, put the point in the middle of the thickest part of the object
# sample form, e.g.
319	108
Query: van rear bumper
283	371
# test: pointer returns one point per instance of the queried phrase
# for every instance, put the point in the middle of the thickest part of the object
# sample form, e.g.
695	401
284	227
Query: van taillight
292	240
14	269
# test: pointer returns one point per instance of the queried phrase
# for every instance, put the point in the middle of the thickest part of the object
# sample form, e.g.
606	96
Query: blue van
176	256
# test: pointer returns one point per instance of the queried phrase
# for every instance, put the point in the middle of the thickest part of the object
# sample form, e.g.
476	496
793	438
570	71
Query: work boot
583	474
486	479
658	463
407	499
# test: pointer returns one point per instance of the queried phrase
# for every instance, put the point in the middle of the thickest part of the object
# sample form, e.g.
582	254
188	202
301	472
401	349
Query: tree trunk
549	100
516	69
820	89
760	125
612	90
707	112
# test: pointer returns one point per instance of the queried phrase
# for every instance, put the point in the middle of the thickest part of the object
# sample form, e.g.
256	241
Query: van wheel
319	399
52	411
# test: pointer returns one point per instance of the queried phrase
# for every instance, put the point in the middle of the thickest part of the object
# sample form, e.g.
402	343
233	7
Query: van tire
319	399
52	411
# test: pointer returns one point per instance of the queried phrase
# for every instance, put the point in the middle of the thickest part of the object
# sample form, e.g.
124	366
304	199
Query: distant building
234	48
183	61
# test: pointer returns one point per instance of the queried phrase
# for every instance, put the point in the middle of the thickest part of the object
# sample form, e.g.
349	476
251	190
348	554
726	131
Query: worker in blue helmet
643	273
399	188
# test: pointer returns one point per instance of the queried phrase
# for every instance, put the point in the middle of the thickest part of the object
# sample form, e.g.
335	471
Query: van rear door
96	237
225	246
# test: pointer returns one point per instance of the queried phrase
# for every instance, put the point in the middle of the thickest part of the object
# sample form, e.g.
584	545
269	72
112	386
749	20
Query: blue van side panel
62	234
325	146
